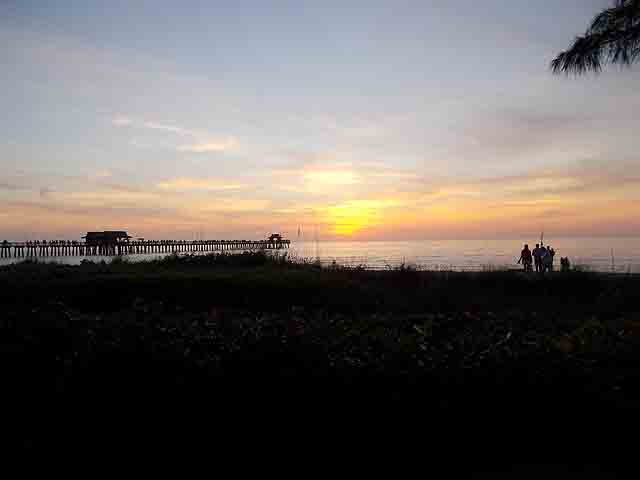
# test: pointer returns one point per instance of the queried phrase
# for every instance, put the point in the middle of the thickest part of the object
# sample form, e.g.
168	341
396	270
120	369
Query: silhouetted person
537	257
547	259
565	265
543	259
551	253
526	258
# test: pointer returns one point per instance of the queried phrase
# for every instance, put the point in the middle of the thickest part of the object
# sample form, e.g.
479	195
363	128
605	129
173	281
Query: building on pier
107	238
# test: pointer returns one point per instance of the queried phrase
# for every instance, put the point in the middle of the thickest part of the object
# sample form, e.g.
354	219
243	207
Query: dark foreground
474	372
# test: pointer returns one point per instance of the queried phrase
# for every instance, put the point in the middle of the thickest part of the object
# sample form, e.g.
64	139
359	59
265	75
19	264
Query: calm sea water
590	253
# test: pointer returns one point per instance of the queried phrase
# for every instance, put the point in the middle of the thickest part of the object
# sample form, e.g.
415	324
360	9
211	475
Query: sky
354	120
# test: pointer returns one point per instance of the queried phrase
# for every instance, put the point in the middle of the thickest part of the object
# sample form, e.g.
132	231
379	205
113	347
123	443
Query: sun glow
352	217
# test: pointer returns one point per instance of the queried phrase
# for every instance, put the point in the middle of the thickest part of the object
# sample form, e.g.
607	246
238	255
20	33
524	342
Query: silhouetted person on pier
565	265
526	258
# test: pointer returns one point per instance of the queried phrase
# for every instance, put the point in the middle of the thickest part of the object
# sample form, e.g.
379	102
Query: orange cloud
342	199
181	184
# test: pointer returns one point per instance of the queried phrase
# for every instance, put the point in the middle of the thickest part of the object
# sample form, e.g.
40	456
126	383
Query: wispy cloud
169	128
343	179
316	179
100	174
237	205
11	187
203	142
182	184
124	121
69	214
212	146
340	176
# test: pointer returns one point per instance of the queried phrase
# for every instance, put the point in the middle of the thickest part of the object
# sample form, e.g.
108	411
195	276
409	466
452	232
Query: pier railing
63	248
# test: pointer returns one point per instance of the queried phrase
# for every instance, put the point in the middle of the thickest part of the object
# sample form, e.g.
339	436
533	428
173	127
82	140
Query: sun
352	217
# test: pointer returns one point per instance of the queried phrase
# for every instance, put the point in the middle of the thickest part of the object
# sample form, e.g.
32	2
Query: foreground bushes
249	336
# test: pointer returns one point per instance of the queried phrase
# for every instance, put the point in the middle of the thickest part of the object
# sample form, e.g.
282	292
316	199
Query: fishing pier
119	243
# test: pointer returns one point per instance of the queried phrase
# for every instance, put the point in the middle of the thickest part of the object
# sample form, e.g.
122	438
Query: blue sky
373	120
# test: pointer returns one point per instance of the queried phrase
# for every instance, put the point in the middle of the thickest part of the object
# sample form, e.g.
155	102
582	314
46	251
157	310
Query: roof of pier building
110	236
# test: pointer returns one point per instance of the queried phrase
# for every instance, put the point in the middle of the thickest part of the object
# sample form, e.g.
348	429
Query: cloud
123	121
339	176
316	180
573	180
204	143
169	128
211	146
181	184
245	205
66	213
11	187
119	187
45	192
342	180
101	174
113	197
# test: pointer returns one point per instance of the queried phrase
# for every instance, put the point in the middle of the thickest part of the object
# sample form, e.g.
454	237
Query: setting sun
356	216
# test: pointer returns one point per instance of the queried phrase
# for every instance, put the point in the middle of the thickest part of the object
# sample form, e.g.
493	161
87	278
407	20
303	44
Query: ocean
596	254
604	254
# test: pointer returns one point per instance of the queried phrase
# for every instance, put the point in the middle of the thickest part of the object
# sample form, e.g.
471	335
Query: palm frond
613	37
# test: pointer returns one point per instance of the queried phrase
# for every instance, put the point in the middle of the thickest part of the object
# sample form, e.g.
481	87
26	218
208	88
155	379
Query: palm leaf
612	38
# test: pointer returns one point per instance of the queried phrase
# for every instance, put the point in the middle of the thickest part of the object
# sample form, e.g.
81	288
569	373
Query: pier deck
63	248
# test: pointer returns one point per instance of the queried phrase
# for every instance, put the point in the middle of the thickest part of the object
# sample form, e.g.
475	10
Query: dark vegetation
177	351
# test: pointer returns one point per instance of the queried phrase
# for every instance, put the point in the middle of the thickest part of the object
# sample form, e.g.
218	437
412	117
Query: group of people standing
541	257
